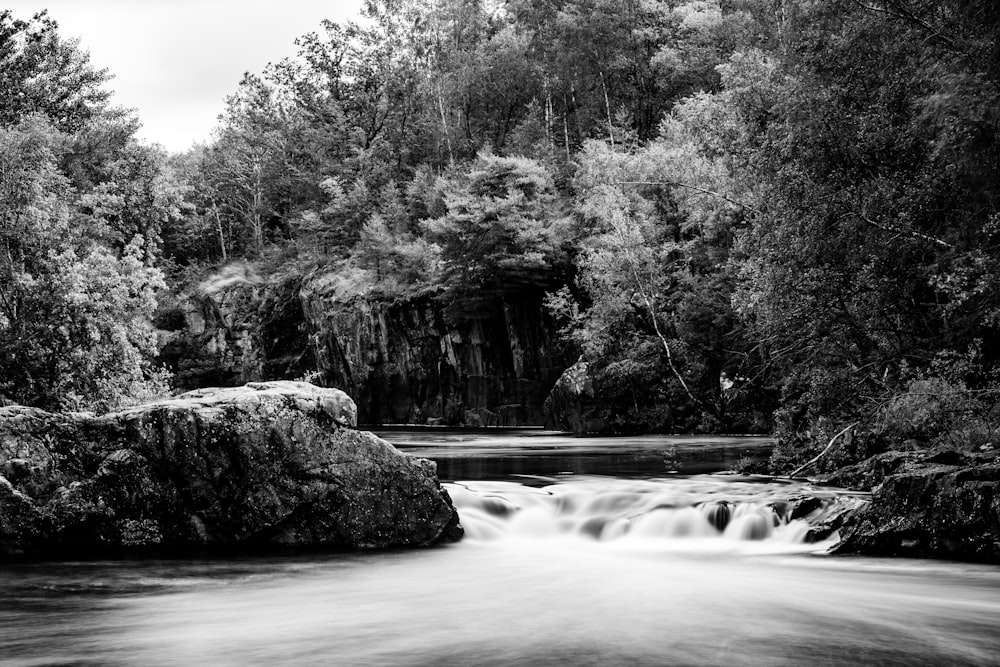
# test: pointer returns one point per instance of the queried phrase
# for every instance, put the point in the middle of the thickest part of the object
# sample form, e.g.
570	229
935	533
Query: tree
654	274
501	234
40	73
73	313
876	163
244	162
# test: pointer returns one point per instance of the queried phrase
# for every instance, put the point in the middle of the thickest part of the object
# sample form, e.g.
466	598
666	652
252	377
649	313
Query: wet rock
869	473
274	463
939	504
718	514
828	516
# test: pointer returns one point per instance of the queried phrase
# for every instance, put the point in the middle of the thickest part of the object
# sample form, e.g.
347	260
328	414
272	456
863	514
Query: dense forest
742	215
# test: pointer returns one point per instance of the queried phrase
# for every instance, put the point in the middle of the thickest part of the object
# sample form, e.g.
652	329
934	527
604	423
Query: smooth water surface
557	569
492	453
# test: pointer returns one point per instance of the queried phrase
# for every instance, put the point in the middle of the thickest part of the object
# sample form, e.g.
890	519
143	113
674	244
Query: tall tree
73	312
245	162
42	73
877	165
502	233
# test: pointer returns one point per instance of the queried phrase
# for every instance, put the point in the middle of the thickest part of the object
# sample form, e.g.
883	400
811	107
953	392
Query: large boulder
587	400
269	463
937	504
572	404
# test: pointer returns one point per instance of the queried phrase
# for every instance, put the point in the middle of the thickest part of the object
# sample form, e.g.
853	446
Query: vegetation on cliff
744	214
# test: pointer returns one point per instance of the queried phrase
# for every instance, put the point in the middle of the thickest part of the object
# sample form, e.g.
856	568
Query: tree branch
691	187
822	453
652	315
900	230
909	16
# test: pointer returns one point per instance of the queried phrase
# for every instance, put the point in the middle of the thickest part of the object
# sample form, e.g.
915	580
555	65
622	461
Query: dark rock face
211	336
825	516
585	402
407	364
938	504
275	463
403	362
572	405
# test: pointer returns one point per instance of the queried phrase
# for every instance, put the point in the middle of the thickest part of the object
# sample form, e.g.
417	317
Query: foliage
74	327
41	73
879	204
745	213
501	233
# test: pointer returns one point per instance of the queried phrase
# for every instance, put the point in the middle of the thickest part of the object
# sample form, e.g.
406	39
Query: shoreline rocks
940	503
269	464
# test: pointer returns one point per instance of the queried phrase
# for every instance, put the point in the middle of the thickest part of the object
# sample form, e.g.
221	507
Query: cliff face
403	362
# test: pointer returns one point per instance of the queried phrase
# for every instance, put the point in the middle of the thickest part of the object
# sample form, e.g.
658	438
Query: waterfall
696	512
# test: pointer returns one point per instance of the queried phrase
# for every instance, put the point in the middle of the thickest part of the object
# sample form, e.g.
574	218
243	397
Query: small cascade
720	509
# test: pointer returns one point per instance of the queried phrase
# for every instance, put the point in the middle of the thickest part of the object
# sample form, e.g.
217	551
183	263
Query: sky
174	61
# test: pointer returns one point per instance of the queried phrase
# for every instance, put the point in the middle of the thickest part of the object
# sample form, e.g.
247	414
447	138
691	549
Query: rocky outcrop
938	504
233	327
825	515
277	463
403	361
406	363
587	400
572	404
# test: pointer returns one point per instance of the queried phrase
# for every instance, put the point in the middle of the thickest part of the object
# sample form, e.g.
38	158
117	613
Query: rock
936	504
272	463
405	362
401	360
869	473
573	405
590	399
828	517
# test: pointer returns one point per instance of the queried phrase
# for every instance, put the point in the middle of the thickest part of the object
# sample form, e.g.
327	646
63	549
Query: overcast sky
175	60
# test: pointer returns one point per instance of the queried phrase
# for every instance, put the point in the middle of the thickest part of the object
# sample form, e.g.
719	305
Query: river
578	552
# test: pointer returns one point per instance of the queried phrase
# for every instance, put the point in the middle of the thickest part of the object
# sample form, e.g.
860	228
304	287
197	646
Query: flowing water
578	552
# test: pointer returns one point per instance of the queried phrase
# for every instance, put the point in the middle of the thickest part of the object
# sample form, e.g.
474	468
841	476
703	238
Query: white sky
175	60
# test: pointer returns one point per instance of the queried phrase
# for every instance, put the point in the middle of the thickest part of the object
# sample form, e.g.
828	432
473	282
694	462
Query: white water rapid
706	513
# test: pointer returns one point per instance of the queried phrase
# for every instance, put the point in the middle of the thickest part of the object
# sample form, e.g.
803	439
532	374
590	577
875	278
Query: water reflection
498	453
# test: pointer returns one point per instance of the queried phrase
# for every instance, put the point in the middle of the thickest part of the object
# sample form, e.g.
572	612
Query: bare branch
906	15
652	315
822	453
901	230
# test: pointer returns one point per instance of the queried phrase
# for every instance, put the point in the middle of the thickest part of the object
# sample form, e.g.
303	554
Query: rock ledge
934	504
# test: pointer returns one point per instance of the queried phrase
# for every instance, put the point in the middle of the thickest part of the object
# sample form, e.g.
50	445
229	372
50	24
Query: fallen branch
822	453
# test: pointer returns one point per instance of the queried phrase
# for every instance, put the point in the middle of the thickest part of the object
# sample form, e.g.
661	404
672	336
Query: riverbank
939	503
